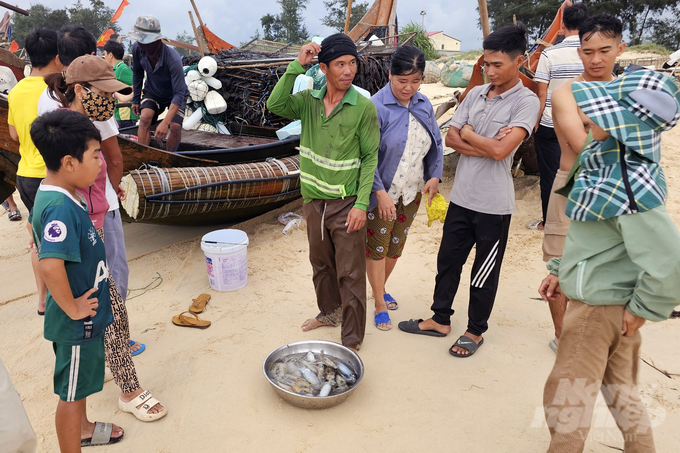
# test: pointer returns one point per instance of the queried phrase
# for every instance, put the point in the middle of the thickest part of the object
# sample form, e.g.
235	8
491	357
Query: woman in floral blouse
410	162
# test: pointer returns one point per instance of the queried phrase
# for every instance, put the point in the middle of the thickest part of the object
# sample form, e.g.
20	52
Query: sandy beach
414	396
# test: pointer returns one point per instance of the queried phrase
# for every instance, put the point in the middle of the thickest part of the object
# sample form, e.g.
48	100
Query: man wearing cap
164	87
621	261
338	156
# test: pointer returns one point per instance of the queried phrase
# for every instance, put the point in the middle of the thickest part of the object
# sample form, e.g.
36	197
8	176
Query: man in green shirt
338	157
113	54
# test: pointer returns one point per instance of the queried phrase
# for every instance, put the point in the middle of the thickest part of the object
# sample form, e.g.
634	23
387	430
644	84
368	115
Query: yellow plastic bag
437	211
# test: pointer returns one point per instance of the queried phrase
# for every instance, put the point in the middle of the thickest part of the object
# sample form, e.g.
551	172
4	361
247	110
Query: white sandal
147	401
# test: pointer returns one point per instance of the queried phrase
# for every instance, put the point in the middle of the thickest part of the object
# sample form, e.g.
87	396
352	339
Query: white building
442	41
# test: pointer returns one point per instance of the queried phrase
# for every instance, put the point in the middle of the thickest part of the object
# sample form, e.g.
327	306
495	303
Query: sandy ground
414	397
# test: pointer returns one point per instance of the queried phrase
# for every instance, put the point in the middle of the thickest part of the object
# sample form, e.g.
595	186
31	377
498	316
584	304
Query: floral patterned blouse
408	180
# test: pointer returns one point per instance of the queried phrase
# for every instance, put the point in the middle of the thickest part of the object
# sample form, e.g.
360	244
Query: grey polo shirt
482	184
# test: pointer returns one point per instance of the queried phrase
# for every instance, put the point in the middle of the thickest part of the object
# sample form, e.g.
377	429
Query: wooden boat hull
247	144
228	214
210	195
9	162
16	64
136	156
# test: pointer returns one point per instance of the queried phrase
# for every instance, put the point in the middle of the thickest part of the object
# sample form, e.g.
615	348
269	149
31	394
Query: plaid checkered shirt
602	190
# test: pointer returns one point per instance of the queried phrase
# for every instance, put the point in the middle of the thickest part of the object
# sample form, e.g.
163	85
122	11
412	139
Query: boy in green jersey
73	264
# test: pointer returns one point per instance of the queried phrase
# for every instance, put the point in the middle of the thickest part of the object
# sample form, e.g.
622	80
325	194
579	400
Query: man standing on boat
164	87
338	157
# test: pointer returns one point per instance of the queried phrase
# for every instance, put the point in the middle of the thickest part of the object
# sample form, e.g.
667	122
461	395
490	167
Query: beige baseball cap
97	72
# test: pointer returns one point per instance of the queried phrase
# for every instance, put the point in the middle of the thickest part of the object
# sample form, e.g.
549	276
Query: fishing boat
245	144
247	148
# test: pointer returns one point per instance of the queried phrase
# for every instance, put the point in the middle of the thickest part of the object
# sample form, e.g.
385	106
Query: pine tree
337	13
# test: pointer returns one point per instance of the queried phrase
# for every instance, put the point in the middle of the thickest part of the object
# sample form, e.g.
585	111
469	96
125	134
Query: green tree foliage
537	15
271	25
186	38
420	41
666	31
641	18
337	13
95	19
288	26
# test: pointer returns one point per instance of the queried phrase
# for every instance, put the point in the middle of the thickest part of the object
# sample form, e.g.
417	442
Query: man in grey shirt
488	127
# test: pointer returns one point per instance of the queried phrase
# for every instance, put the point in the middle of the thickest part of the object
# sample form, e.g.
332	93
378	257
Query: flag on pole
13	47
104	38
119	11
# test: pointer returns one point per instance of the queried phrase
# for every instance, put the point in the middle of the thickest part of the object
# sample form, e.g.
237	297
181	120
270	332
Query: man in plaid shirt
621	261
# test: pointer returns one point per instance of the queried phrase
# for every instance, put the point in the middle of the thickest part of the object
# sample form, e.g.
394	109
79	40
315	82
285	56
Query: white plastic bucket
226	259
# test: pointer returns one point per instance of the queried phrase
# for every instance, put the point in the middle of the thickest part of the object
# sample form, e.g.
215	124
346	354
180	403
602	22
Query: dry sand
414	396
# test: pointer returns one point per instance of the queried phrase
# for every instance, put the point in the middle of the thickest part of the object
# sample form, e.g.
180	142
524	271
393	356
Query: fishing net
248	78
456	74
432	72
318	76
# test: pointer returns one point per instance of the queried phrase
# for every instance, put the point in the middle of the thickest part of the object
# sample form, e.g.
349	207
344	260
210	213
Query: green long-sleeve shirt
631	260
338	154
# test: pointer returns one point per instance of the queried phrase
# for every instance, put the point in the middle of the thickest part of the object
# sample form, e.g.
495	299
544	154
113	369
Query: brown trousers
338	261
594	356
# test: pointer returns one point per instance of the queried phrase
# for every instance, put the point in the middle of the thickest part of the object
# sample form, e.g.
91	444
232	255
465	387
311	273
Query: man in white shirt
557	64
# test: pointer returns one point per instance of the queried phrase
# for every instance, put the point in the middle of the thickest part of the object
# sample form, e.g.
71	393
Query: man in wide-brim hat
621	261
164	87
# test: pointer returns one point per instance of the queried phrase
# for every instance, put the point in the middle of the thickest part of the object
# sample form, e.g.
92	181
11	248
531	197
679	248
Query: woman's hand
386	208
431	189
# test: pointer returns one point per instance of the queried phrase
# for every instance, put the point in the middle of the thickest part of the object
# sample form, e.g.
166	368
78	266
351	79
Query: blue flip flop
382	318
390	300
138	351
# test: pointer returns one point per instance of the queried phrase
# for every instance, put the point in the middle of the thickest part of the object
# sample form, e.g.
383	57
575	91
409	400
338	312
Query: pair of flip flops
190	318
467	343
14	216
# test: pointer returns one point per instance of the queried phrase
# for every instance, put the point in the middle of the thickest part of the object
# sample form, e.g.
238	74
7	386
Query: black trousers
28	189
464	229
548	153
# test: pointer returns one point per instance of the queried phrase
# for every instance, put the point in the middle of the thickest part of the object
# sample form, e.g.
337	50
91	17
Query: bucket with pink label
226	259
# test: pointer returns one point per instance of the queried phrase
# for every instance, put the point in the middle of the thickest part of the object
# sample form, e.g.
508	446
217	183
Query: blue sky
236	21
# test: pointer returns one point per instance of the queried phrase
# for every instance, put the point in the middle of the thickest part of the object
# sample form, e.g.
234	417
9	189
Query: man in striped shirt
338	156
558	64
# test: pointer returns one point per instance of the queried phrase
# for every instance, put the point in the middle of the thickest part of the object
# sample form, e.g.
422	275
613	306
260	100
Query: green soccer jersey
62	229
124	74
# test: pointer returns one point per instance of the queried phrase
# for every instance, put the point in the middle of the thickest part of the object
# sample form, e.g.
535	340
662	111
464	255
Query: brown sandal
199	303
185	321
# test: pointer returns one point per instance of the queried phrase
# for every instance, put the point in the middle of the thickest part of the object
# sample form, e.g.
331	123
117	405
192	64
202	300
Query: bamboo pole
349	13
198	39
198	16
201	40
259	65
16	9
484	16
